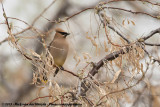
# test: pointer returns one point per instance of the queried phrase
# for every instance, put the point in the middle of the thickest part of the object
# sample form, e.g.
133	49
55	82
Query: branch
156	60
114	55
42	12
133	12
37	99
121	90
68	18
6	39
151	44
109	57
105	22
119	33
151	34
157	4
70	72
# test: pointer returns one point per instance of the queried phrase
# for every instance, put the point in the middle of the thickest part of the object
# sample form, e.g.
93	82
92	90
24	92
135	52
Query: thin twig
109	57
117	91
133	12
71	73
151	44
157	4
37	99
42	12
151	34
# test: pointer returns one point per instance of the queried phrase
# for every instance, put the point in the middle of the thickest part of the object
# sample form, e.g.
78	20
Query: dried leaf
51	92
105	46
39	90
133	23
84	56
102	91
127	98
128	21
35	54
94	43
95	37
77	59
155	100
147	83
123	22
88	37
92	40
35	78
50	85
116	76
57	88
141	67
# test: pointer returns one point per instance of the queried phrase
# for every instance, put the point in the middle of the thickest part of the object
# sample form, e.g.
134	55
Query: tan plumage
59	47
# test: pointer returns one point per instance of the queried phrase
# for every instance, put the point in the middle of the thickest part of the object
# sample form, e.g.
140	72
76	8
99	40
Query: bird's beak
66	34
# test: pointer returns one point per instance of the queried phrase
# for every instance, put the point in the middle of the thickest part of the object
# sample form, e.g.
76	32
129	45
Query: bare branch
119	34
157	4
43	12
109	57
133	12
114	55
71	73
151	44
151	34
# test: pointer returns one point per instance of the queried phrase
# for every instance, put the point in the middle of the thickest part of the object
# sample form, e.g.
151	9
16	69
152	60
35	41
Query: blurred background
16	72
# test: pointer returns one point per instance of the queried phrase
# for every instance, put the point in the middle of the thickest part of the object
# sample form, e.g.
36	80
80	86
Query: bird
59	48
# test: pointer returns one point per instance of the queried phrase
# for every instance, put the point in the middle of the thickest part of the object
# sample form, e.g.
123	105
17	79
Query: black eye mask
64	33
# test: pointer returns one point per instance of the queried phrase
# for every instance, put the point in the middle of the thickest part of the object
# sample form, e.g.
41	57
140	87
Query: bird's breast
59	51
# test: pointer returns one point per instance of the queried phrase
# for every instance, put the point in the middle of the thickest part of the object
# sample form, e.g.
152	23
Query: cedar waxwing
59	48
